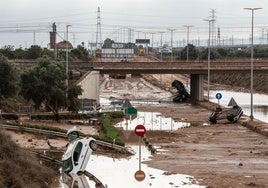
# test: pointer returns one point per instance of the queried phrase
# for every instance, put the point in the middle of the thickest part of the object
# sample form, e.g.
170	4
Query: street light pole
67	60
188	26
152	33
251	62
171	42
209	22
161	38
161	43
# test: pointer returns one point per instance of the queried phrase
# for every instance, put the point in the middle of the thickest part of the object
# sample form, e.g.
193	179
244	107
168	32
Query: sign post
140	131
218	96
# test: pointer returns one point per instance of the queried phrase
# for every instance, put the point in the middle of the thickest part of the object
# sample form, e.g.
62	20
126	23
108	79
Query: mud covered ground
218	155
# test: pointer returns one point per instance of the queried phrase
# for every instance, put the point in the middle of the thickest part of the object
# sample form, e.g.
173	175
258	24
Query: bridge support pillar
197	87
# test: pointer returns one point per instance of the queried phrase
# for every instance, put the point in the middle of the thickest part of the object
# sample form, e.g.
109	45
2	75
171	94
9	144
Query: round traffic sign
139	175
218	96
140	130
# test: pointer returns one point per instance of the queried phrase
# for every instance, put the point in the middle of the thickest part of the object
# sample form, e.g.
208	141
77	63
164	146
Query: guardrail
33	130
63	135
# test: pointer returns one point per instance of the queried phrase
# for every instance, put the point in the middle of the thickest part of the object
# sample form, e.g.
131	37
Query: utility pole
152	33
219	36
138	34
34	37
209	35
161	39
171	43
213	35
98	34
188	26
129	34
67	60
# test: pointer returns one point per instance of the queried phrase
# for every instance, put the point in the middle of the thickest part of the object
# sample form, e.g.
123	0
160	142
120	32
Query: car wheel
213	120
93	145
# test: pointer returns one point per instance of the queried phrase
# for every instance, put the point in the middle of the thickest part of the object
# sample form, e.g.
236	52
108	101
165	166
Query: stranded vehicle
232	115
78	152
182	93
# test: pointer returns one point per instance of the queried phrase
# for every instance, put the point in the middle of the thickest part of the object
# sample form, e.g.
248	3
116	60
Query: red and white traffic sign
140	130
139	175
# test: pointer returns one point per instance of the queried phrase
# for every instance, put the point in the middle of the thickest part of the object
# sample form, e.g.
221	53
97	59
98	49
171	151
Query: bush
109	132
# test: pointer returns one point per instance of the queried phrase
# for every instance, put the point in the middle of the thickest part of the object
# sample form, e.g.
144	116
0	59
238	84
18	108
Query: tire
93	145
213	119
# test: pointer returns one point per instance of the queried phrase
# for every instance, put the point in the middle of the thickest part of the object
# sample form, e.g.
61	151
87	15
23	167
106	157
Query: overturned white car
78	152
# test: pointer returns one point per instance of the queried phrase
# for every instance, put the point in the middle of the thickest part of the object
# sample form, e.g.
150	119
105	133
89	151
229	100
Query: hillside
21	169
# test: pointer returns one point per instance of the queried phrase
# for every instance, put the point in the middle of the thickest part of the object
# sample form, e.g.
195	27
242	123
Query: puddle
114	172
152	121
120	172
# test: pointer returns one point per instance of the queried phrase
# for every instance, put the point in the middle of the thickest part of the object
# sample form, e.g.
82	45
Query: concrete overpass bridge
196	69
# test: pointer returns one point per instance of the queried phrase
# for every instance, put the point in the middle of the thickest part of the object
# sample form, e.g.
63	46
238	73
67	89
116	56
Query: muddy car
78	152
182	94
232	115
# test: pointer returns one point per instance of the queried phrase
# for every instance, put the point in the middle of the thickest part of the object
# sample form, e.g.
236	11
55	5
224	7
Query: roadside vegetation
108	132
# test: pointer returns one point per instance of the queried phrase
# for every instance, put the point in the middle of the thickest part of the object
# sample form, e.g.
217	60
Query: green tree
8	51
47	52
8	78
204	54
80	53
193	53
223	53
107	43
34	52
73	101
45	84
20	53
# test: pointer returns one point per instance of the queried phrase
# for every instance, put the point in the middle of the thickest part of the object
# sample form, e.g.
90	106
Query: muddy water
115	173
120	172
152	121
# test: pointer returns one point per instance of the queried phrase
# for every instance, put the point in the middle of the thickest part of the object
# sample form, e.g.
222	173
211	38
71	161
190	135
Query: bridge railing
180	67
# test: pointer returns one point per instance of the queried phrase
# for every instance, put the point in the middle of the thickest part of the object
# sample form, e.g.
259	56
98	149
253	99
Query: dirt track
221	155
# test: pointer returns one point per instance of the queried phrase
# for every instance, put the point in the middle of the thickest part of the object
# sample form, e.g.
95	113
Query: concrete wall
91	86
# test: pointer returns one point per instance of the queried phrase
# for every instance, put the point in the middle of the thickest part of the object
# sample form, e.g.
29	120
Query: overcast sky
24	22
